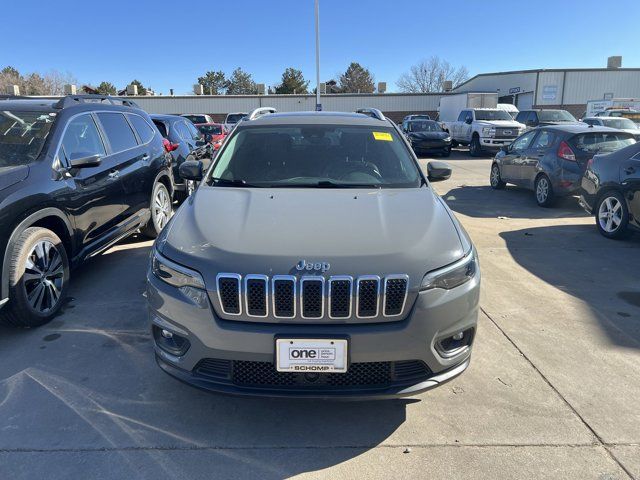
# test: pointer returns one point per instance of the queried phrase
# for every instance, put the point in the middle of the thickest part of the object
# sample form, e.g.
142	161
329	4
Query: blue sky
169	44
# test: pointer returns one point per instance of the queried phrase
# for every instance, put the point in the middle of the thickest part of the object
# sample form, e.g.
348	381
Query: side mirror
505	148
191	170
438	171
468	121
87	161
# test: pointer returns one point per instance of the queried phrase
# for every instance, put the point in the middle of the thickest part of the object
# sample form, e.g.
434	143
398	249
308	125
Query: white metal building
569	89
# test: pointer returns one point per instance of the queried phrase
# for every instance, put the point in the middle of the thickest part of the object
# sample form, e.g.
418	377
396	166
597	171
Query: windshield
334	156
211	129
419	117
22	135
196	118
619	123
555	116
235	117
491	115
603	142
424	126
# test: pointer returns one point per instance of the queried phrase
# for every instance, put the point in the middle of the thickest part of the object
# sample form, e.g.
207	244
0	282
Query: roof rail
258	112
372	112
8	96
71	100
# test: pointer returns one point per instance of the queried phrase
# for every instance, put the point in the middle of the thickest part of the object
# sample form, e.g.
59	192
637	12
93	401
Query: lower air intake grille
229	291
395	290
368	297
213	368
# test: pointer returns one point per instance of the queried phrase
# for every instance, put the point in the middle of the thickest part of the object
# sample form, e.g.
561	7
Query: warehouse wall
523	82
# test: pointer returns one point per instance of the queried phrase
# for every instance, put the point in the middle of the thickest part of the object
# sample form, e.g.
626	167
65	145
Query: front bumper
436	314
495	143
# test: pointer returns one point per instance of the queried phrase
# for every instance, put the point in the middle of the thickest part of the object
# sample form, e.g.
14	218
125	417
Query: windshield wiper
330	184
233	183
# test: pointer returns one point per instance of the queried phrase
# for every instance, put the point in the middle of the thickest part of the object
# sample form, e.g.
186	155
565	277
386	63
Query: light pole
318	104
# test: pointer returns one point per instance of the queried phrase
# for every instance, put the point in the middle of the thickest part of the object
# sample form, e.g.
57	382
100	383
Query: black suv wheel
38	278
161	210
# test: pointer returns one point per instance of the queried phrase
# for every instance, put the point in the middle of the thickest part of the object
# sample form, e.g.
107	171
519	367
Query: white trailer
452	105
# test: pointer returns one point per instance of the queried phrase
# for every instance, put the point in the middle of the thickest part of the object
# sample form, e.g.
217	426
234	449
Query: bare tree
55	81
429	76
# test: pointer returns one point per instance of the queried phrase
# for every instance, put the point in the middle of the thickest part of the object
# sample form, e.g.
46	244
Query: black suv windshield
424	126
22	135
491	115
555	116
322	156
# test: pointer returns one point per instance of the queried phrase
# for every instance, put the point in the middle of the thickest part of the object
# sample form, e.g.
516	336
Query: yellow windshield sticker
383	136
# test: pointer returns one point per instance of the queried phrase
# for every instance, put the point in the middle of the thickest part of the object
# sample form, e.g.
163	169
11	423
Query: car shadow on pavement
94	367
512	202
577	260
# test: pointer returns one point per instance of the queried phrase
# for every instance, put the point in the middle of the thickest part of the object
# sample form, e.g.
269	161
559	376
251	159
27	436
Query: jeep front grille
312	297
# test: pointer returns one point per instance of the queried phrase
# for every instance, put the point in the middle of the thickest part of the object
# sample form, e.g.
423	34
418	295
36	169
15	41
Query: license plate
311	355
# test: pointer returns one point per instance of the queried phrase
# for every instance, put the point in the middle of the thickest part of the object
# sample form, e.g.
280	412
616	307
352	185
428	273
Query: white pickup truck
484	129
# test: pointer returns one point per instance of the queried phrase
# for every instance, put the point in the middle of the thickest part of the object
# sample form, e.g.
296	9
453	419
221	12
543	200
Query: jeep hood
268	231
11	175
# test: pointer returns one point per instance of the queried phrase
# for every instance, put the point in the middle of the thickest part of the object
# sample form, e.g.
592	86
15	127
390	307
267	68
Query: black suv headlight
453	275
174	274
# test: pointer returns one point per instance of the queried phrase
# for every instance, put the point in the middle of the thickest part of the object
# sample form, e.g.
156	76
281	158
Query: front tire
495	179
38	278
161	210
475	149
612	215
544	191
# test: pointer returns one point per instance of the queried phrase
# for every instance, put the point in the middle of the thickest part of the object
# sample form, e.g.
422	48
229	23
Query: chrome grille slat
312	297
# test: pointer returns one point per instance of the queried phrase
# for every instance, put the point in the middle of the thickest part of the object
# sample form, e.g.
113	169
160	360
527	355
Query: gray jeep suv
314	260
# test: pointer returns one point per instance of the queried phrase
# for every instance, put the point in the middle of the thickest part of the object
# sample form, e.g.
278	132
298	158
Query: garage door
524	101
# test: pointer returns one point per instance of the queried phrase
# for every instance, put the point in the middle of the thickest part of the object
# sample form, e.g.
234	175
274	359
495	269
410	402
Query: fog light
454	344
170	342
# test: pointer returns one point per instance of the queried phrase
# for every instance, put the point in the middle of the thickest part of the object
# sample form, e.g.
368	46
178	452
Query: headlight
447	139
174	274
489	131
452	276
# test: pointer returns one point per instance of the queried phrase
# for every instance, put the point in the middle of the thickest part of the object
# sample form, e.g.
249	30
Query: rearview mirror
438	171
87	161
191	170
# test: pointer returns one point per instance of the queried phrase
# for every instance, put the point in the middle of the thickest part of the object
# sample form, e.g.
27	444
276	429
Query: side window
522	117
162	128
118	131
469	115
544	140
145	132
81	139
195	133
523	142
533	118
462	116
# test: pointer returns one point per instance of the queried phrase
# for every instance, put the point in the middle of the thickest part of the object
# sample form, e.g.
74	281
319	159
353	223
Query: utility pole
318	104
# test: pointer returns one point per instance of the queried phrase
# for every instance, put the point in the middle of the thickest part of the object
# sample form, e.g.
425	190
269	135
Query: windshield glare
556	116
22	135
491	115
316	156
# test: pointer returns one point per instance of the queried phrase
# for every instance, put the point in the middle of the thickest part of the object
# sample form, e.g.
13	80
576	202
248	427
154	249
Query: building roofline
541	70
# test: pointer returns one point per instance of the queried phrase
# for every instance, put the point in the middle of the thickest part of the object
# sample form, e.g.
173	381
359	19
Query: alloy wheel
43	277
610	214
161	208
495	176
542	190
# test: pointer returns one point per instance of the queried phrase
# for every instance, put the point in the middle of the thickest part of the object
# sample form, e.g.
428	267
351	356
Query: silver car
314	260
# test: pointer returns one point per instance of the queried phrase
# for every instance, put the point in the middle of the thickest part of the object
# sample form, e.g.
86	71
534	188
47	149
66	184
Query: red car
215	133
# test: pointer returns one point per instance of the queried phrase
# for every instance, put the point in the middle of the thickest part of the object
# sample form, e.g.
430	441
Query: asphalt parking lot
553	391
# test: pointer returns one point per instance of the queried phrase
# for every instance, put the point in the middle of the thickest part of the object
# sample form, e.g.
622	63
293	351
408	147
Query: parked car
509	108
76	175
427	136
483	129
302	267
552	160
611	191
416	116
631	114
543	117
233	118
184	142
619	123
198	118
214	133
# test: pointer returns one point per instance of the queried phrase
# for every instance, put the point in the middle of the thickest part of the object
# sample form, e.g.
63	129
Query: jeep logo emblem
313	266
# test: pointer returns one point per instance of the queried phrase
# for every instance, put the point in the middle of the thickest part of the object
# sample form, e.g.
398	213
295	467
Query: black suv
77	174
184	142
